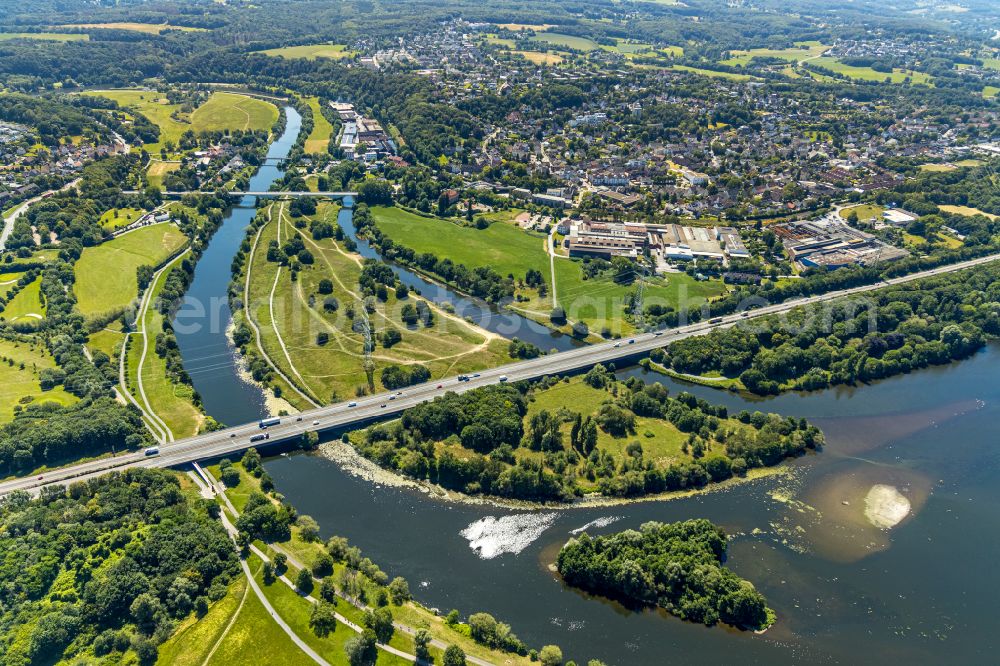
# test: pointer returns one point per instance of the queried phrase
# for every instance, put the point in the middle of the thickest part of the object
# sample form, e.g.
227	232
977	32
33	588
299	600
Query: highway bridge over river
234	440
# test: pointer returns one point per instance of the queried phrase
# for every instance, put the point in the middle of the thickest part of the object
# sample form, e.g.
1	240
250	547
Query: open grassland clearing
171	401
312	337
147	28
732	76
600	302
8	281
222	111
319	139
539	58
157	169
501	246
21	362
192	642
566	41
117	218
863	211
869	74
227	111
801	51
519	27
106	274
966	210
990	92
27	304
46	36
311	51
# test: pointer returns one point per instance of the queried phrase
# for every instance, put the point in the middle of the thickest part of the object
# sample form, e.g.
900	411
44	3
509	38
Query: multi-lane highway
234	440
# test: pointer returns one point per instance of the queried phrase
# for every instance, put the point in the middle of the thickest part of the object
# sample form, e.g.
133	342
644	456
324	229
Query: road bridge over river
338	416
330	195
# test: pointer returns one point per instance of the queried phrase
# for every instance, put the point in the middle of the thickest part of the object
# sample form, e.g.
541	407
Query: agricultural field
311	51
106	274
539	58
117	218
803	51
319	139
869	74
292	315
20	385
46	36
222	111
147	28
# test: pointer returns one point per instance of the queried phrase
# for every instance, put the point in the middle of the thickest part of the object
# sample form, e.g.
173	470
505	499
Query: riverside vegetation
556	440
677	566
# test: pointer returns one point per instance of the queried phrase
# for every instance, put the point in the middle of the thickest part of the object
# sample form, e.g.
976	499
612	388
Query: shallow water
844	590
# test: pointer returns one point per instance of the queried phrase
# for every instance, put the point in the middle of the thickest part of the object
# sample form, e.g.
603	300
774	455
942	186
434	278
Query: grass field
967	211
27	304
194	638
120	217
8	281
566	41
47	36
539	58
661	441
869	74
937	167
990	91
147	28
157	169
227	111
517	27
501	246
171	401
311	51
105	274
864	212
319	138
17	384
507	249
803	51
292	313
732	76
222	111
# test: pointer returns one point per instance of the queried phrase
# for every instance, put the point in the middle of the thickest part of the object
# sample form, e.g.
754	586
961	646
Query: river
201	322
844	591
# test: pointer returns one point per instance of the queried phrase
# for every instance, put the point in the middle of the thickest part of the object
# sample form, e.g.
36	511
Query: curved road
235	439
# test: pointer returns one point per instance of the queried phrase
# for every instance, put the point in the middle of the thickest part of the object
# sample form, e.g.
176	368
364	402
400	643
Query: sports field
106	273
319	138
311	51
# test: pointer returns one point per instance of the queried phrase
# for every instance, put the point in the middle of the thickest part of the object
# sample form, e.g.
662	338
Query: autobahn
342	415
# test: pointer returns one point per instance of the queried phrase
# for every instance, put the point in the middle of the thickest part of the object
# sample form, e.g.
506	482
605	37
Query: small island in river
676	566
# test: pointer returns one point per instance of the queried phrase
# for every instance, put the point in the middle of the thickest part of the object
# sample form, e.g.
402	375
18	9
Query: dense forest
494	447
890	331
677	566
105	569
